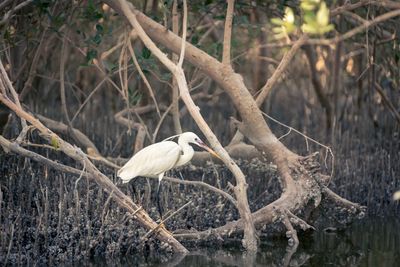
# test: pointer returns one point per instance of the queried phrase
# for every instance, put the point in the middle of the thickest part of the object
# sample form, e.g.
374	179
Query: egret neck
187	150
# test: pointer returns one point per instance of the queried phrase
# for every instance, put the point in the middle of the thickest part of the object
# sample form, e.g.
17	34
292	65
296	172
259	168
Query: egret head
192	138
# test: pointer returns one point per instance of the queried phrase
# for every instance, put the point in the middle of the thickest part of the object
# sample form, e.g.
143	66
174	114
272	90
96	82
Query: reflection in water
370	242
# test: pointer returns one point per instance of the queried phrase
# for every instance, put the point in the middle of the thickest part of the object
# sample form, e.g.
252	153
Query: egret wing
151	161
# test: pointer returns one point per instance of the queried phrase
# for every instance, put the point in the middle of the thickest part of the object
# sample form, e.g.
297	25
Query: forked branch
250	240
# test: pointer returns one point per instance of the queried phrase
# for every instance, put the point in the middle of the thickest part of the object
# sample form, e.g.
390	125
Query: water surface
368	242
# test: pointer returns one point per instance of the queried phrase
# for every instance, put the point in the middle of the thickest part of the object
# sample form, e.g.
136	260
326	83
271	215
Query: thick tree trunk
300	186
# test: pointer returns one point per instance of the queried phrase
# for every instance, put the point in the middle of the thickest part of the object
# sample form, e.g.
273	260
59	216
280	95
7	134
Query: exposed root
291	233
351	207
298	221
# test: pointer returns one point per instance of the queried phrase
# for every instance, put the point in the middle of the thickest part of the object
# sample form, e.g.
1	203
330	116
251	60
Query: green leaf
91	12
310	28
43	6
146	53
276	21
289	15
323	15
97	39
54	143
327	28
195	39
91	54
99	28
278	29
309	5
309	17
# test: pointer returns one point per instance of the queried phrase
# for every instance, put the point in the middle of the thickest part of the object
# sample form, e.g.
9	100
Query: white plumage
156	159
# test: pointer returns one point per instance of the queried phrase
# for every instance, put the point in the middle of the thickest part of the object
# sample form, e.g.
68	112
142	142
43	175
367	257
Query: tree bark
250	239
298	176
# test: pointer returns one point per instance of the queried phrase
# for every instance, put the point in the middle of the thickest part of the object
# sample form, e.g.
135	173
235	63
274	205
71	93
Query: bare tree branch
387	102
146	82
323	99
124	201
184	31
226	52
205	185
175	89
356	30
250	240
287	58
7	83
11	12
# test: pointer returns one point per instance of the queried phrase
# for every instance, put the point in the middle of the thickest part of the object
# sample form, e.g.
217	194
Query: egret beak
212	152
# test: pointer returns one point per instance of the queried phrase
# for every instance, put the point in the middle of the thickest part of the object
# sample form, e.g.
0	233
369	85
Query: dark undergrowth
47	217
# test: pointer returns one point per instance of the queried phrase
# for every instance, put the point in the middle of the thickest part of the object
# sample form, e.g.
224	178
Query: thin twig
62	88
164	115
34	65
174	86
352	6
122	71
205	185
356	30
184	31
10	87
328	149
226	52
5	3
387	102
161	224
98	86
10	13
146	82
266	89
286	60
23	134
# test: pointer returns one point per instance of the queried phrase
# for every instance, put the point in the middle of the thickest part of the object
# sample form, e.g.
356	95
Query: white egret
156	159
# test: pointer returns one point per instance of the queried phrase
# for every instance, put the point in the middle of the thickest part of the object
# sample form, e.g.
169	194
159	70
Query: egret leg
158	200
160	211
181	186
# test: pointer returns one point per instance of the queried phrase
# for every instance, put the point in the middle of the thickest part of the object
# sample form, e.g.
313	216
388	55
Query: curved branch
367	24
205	185
184	31
250	240
175	89
146	82
62	128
